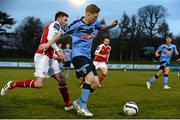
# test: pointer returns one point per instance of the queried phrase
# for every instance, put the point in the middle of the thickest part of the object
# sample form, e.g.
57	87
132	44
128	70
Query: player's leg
82	79
63	90
37	83
95	66
68	68
68	72
166	69
41	69
63	67
29	83
81	103
55	72
154	78
83	69
104	71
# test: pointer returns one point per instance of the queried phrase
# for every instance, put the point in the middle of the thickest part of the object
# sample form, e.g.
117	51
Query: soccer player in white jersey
101	57
45	65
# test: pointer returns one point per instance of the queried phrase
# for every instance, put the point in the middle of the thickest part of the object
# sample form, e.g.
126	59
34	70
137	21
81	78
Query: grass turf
118	88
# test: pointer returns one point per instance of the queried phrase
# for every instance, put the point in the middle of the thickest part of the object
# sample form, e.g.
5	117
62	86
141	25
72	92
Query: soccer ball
130	108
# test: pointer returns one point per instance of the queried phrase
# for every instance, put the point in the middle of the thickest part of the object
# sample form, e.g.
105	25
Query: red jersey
49	32
104	50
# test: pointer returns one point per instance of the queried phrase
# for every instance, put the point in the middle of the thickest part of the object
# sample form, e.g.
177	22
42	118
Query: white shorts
45	67
100	65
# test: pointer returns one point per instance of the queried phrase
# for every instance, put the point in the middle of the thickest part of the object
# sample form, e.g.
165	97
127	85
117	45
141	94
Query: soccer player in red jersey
45	65
101	57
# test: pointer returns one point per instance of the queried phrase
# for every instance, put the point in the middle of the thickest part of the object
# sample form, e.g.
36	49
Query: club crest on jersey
87	36
84	71
98	48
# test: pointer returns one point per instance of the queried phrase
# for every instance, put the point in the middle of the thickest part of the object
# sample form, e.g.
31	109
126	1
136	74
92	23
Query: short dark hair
92	8
60	14
169	35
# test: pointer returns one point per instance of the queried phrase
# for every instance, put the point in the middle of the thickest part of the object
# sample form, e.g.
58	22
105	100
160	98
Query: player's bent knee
89	78
105	71
37	85
62	80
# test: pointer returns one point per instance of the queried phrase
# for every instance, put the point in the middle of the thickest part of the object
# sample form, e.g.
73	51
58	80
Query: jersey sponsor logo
56	26
169	49
86	30
168	52
87	36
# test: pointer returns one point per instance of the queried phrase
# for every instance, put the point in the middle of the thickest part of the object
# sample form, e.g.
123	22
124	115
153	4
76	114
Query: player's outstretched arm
101	55
114	23
45	46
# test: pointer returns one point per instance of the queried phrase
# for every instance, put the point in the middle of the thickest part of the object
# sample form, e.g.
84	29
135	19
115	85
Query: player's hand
61	55
43	46
157	54
114	23
104	56
56	57
178	60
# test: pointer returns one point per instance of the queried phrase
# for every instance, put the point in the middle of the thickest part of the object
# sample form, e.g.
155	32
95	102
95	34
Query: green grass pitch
118	88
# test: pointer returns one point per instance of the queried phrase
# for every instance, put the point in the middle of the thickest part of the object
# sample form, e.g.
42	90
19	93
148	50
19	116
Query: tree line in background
135	38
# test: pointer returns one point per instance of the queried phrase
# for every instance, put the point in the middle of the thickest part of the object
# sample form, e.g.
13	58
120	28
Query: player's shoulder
96	22
109	46
75	22
55	26
173	45
101	45
163	45
67	50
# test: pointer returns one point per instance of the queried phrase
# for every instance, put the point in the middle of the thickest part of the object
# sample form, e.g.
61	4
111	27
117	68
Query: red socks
30	83
101	77
64	92
24	83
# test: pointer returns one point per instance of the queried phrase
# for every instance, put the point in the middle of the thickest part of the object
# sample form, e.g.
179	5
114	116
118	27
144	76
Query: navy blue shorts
163	65
67	64
83	66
